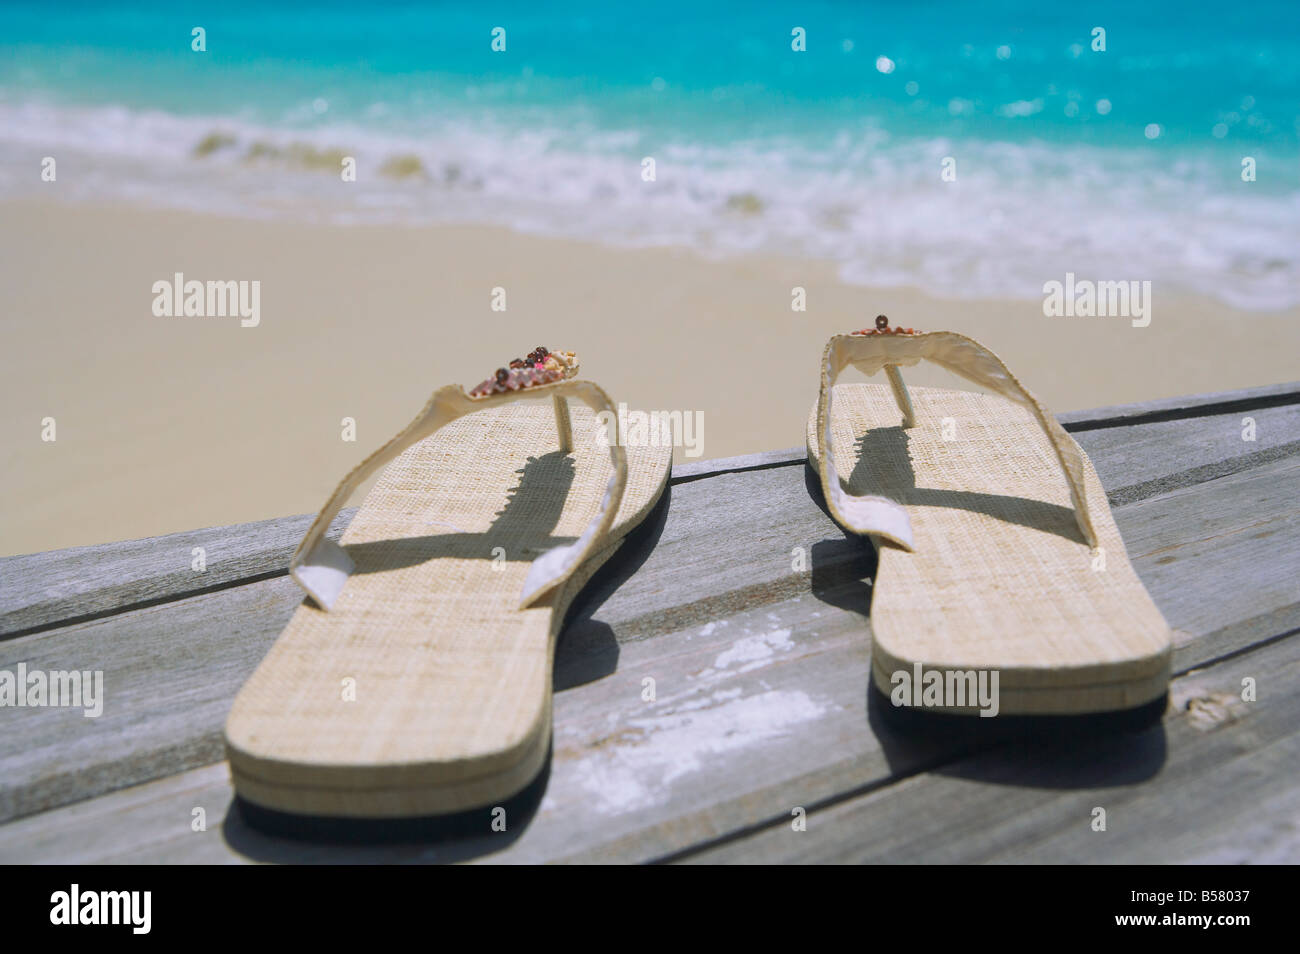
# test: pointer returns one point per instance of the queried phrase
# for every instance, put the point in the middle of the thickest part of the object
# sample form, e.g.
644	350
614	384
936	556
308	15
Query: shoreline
168	424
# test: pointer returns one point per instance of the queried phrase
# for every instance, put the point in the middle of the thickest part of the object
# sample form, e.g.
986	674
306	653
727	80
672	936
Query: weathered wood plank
155	824
1014	802
170	672
733	700
167	697
1162	445
721	556
41	590
1188	405
1227	517
1149	459
1221	558
754	708
1220	787
694	470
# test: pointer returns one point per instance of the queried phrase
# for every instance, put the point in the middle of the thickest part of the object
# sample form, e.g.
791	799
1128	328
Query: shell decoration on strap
542	366
882	328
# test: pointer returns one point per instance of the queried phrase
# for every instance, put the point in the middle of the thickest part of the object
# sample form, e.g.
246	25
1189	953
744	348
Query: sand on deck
167	424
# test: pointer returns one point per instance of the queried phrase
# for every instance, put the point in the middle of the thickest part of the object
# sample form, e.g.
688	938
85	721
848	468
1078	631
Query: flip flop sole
1000	579
425	690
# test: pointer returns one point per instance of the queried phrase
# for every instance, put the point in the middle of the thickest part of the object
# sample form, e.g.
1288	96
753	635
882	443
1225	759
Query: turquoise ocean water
1122	163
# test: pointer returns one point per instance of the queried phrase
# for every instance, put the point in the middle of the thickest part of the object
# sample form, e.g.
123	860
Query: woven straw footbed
452	679
1000	577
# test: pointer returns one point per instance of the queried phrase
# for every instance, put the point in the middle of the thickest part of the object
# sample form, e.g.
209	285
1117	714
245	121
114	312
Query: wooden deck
760	675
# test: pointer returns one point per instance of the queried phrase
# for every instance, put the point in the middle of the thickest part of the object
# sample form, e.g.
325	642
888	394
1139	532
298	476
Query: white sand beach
165	424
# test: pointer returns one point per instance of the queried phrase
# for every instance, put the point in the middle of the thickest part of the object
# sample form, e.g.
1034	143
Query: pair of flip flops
416	679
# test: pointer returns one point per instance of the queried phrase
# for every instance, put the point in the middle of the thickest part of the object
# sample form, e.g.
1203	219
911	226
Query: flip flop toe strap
321	567
965	357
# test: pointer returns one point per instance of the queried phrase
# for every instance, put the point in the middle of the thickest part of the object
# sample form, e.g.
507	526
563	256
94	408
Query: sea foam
1015	215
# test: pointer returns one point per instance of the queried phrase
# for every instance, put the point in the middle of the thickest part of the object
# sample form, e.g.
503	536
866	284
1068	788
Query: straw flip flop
997	551
416	680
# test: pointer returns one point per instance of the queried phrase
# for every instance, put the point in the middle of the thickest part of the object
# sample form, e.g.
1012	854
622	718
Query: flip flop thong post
416	678
998	553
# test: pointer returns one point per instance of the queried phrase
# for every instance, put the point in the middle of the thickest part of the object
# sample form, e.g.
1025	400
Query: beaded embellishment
882	328
540	367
